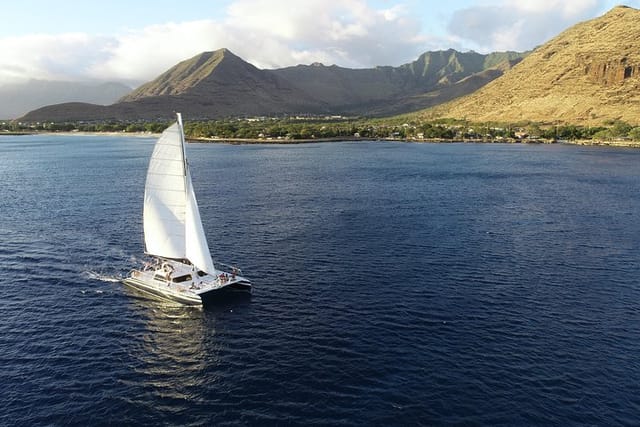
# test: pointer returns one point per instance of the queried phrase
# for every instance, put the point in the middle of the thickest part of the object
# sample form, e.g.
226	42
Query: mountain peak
621	8
224	53
187	74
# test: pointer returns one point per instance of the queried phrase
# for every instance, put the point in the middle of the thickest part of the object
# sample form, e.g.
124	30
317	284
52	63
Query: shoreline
587	142
266	141
248	141
83	133
240	141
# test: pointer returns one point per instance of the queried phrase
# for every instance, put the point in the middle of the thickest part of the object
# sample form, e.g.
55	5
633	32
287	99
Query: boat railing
226	268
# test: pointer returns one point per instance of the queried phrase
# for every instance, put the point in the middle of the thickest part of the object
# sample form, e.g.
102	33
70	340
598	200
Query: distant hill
219	84
17	99
588	74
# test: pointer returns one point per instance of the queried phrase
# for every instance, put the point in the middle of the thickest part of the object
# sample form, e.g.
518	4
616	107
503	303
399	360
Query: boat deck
176	281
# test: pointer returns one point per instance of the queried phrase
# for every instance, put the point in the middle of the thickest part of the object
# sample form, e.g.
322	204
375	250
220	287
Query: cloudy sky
133	41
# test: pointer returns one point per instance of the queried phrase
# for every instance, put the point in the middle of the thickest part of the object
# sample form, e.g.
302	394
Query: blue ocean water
394	284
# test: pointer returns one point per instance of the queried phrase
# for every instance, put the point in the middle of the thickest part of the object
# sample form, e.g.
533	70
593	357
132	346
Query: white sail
172	224
197	249
165	197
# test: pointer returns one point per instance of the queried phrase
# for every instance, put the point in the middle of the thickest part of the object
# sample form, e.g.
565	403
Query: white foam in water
102	277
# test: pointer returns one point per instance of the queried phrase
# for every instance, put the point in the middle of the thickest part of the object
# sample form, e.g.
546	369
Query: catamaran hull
237	287
158	292
186	298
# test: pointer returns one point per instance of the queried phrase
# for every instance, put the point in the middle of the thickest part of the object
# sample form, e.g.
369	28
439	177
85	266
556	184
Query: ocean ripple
395	284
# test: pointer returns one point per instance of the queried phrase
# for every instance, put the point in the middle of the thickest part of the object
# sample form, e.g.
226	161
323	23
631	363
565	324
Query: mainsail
172	224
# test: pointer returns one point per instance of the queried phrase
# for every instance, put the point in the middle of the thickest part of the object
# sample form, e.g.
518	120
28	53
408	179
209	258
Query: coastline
622	143
248	141
83	133
238	141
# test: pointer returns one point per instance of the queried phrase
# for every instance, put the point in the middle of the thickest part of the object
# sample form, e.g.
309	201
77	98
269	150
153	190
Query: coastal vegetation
305	128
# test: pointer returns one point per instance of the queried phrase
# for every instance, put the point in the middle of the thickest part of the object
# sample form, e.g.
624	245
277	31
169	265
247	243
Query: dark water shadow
226	301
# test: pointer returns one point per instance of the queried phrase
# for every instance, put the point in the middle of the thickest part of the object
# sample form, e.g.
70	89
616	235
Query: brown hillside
588	74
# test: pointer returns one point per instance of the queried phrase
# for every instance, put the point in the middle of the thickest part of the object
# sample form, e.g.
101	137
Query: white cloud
519	24
42	56
350	32
267	33
567	8
143	54
275	33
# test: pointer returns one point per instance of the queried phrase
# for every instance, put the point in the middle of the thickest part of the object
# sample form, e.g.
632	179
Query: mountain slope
449	66
588	74
368	91
438	96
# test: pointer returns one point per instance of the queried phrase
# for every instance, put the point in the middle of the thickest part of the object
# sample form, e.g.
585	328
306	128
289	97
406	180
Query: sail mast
184	151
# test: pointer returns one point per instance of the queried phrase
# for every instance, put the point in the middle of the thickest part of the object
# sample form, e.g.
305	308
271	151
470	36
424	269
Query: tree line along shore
308	129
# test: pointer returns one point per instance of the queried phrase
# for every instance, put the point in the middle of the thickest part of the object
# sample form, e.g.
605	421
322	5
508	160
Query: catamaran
181	269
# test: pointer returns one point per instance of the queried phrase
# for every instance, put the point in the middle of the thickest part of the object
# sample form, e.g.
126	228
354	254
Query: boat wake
103	277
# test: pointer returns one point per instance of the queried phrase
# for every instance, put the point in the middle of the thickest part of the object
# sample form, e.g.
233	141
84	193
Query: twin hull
185	285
